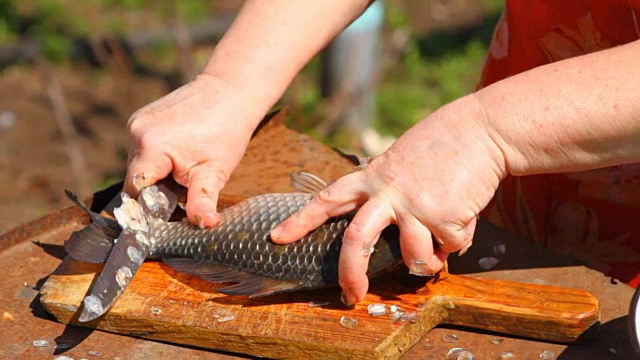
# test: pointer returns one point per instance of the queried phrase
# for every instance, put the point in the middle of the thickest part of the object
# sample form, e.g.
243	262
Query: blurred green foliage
422	85
434	70
55	24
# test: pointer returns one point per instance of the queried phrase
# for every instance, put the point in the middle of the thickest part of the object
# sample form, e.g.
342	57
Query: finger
453	237
418	249
344	195
362	233
145	169
204	185
471	229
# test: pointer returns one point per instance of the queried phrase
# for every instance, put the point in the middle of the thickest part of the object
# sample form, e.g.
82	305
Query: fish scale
242	241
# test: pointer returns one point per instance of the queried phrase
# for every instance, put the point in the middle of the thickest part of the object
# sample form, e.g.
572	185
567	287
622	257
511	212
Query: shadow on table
507	250
615	345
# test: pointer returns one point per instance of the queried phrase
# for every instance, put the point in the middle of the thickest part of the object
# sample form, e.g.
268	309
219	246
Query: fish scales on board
238	250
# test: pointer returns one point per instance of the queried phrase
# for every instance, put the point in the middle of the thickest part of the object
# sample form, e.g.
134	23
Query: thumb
145	170
204	186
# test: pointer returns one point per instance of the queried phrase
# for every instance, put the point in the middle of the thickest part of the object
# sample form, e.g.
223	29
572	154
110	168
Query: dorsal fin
246	283
307	182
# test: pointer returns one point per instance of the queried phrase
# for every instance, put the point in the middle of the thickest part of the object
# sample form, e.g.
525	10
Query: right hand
432	183
199	133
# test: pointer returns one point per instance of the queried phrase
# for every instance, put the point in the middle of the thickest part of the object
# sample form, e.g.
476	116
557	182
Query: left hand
434	180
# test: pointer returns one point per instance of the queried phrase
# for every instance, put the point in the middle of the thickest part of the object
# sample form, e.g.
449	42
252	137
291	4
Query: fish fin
93	243
134	244
109	225
307	182
360	162
90	244
208	271
259	286
246	282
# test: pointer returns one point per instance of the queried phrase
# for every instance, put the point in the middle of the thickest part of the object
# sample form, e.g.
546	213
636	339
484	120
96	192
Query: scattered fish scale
62	357
377	309
547	355
506	356
225	318
348	322
459	354
41	343
488	263
450	338
429	344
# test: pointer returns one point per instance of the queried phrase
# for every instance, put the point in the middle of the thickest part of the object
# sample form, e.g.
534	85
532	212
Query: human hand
434	180
199	133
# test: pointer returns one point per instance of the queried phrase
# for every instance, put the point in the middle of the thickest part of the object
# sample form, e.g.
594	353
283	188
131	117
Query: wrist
249	105
472	124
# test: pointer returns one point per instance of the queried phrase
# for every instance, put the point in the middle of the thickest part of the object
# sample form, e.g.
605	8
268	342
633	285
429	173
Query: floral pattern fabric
591	215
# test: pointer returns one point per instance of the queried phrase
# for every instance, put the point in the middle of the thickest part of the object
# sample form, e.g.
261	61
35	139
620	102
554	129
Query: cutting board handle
535	311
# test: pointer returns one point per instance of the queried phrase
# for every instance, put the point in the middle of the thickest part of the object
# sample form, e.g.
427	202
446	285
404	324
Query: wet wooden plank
163	304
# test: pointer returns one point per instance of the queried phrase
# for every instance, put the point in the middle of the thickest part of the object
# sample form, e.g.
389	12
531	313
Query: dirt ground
34	164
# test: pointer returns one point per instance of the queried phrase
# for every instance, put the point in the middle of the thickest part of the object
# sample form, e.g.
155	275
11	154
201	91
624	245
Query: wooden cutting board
162	304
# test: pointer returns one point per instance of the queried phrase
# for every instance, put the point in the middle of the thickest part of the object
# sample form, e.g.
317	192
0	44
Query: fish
238	251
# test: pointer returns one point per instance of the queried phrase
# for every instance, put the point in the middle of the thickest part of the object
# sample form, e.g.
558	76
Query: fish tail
135	243
92	243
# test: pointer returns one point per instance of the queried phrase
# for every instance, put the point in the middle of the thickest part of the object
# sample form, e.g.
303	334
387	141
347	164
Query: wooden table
270	158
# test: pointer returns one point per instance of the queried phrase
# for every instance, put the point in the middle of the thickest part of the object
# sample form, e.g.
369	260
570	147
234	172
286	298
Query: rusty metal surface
25	266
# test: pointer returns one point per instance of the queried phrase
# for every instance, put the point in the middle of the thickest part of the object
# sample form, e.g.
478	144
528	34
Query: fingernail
347	300
275	233
213	217
200	221
419	268
464	249
139	181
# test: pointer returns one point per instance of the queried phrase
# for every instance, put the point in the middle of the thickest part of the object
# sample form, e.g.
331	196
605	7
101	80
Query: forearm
271	40
576	114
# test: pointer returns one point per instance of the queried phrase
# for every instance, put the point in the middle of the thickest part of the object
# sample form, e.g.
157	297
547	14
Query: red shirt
591	215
